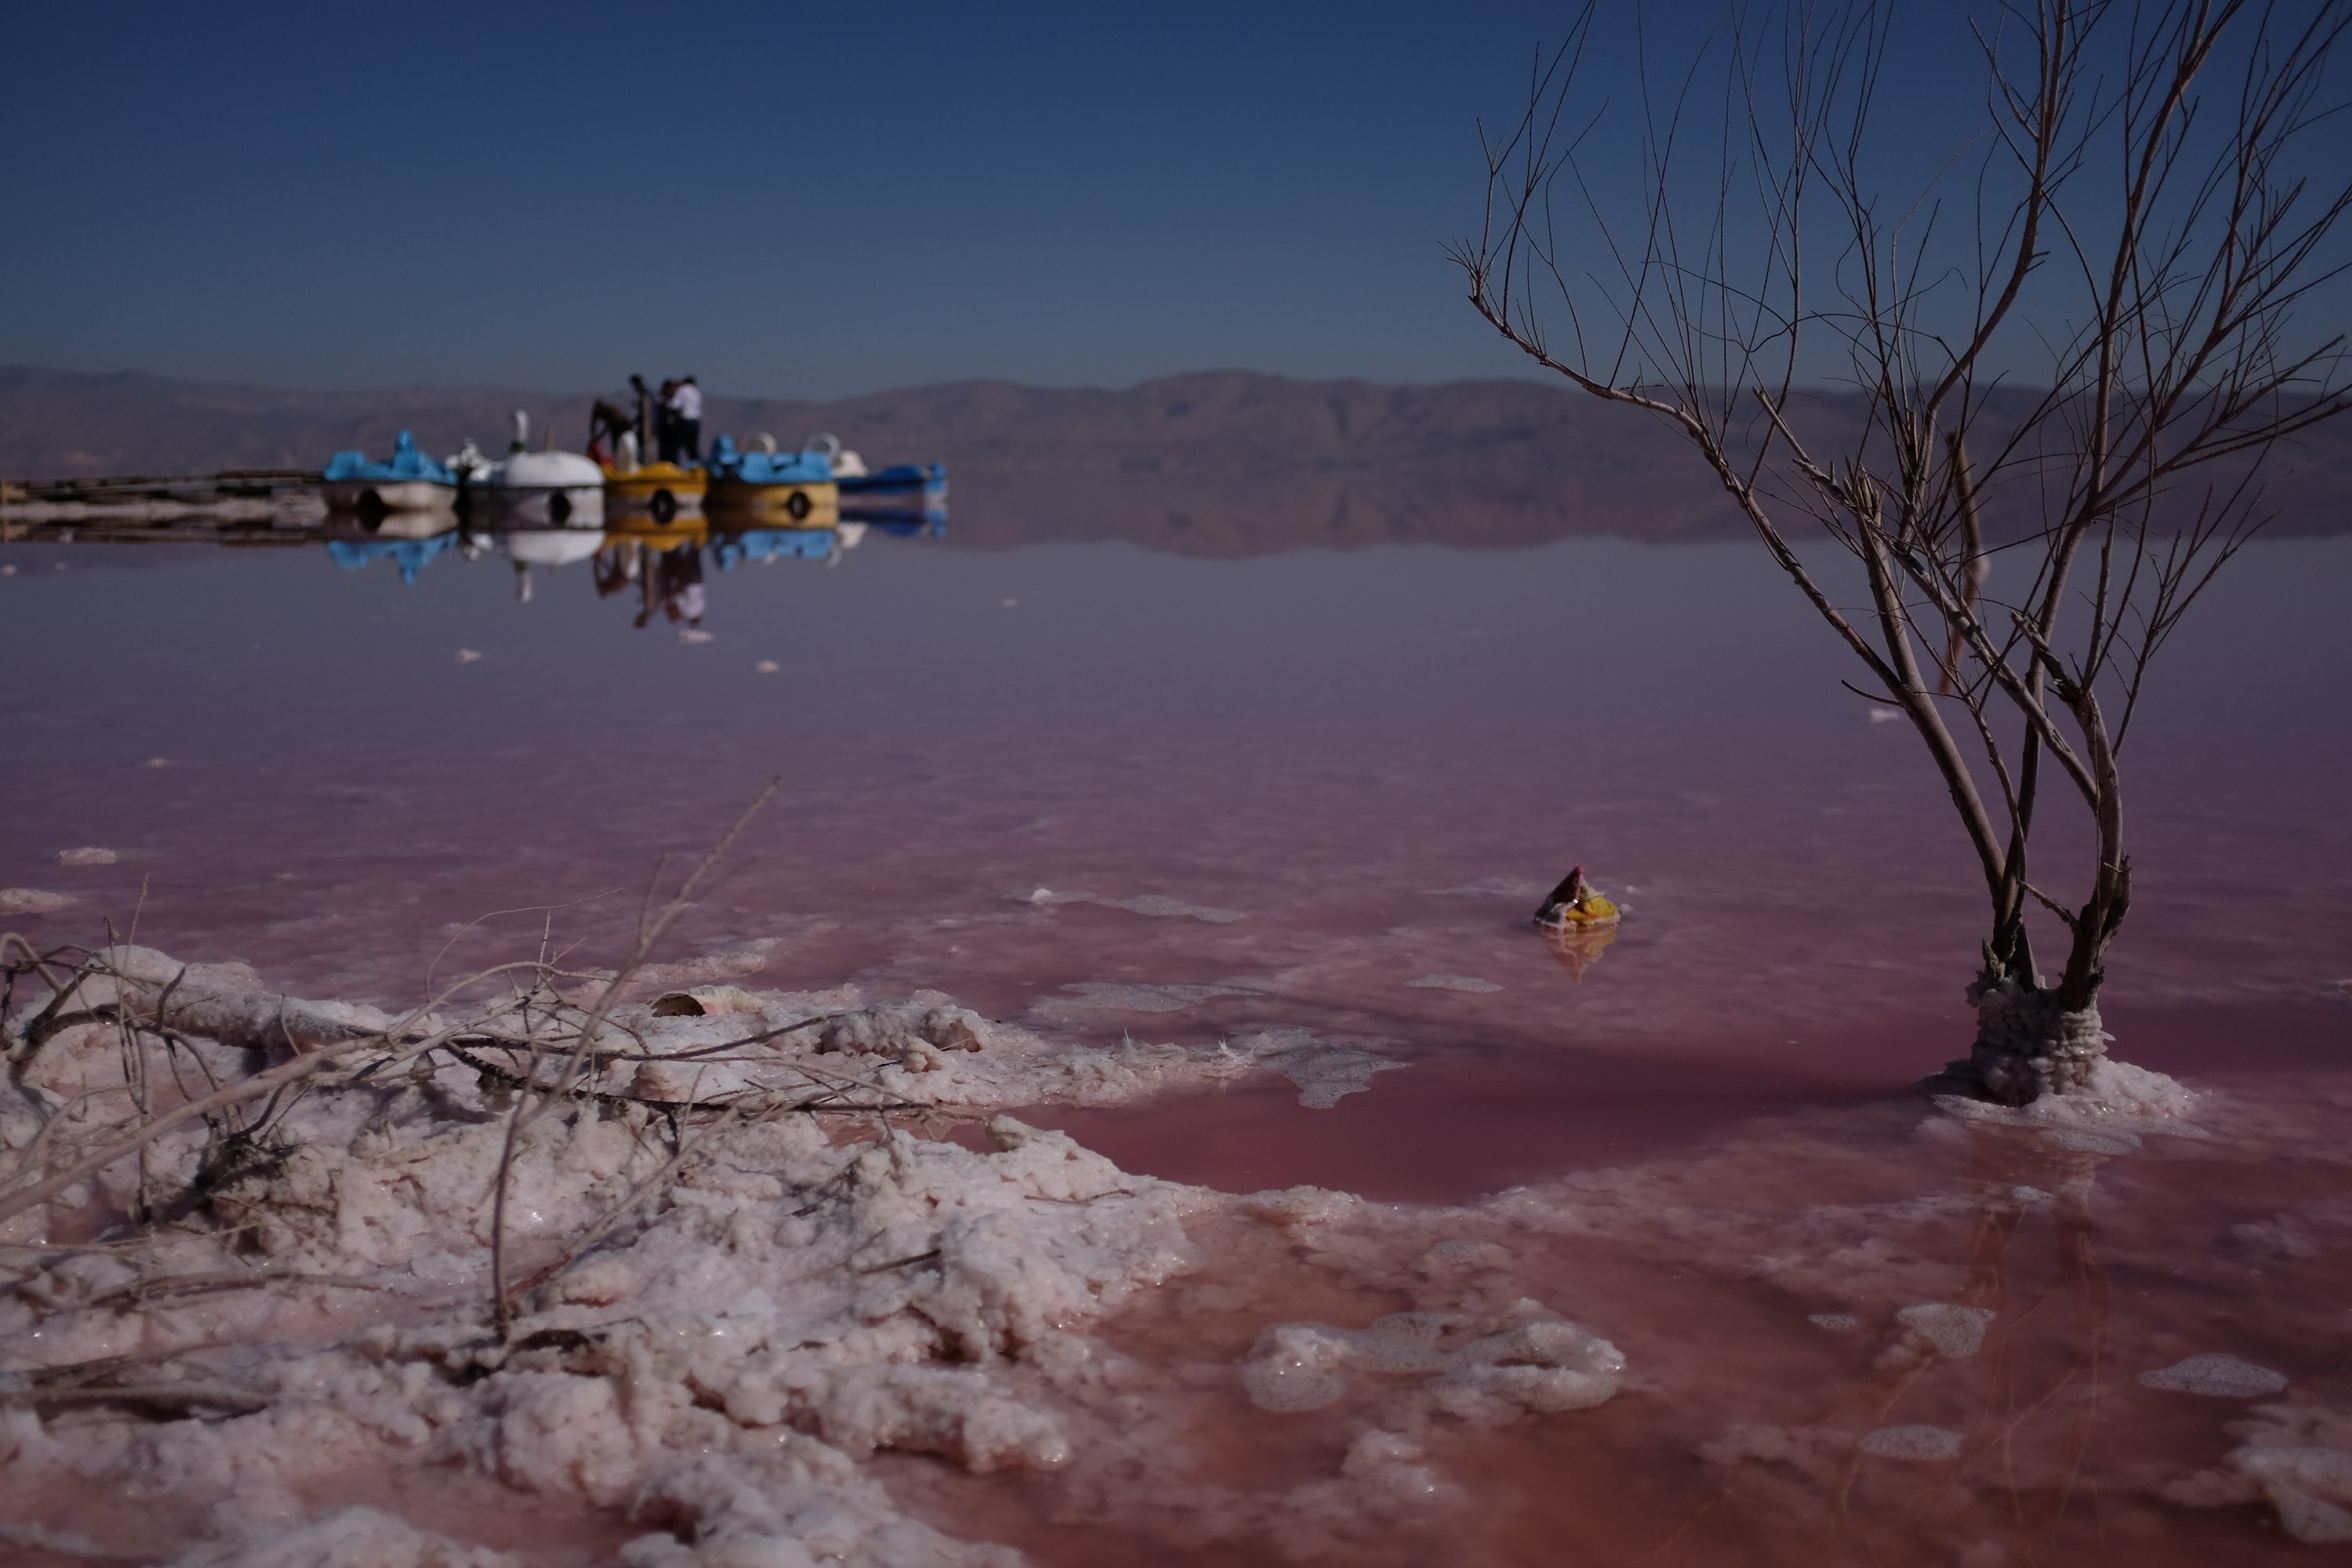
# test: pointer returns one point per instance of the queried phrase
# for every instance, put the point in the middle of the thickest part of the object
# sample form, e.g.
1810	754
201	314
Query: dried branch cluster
198	1055
2102	348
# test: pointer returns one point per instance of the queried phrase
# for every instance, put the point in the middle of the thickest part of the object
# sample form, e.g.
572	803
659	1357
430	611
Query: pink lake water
1276	792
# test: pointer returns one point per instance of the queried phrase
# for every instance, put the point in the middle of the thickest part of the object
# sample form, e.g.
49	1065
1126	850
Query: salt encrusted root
2028	1046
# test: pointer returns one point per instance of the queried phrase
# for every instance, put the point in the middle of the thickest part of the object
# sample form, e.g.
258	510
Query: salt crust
718	1366
1453	983
30	901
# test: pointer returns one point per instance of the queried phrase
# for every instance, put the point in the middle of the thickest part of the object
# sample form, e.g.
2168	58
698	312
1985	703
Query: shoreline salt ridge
715	1373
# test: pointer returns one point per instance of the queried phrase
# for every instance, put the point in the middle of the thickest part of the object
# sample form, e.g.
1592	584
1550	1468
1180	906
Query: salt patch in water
1453	983
2297	1458
86	857
1325	1070
1955	1331
31	901
1835	1322
1541	1363
1919	1443
1157	905
2218	1376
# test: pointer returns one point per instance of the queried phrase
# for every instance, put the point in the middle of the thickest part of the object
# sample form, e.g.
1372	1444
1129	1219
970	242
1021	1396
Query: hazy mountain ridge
1214	462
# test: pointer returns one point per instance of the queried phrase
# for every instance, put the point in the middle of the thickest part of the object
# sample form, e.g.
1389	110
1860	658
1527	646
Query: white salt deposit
1835	1322
2218	1376
1453	983
767	666
1913	1443
756	1309
2121	1102
695	635
30	901
1955	1331
86	857
468	655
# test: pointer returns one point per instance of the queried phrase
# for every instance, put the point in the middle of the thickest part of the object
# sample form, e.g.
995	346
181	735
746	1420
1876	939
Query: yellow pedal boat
662	492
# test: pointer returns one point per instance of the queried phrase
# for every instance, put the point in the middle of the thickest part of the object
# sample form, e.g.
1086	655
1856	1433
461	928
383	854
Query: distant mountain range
1219	463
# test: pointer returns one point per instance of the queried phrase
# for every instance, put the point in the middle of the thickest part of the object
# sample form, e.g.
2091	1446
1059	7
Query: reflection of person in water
676	584
615	567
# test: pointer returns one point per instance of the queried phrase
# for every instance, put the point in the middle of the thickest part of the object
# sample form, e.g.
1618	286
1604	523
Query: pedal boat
765	488
662	492
406	481
536	490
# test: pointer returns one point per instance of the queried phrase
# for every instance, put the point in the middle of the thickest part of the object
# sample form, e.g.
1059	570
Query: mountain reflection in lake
1105	792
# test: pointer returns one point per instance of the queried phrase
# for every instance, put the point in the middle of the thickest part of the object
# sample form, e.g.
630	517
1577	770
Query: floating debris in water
1914	1443
2215	1376
1575	905
1453	983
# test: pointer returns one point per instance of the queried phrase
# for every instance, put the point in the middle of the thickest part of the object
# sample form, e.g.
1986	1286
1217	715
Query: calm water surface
1279	791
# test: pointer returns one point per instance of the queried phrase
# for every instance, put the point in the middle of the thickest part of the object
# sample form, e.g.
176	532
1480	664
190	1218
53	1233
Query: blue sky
783	199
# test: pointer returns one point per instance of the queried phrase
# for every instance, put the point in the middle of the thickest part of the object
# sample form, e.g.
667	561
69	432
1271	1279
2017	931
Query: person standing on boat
605	419
666	422
644	396
685	404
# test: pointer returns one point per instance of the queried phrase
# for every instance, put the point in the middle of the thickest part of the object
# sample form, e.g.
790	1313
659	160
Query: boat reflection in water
661	561
409	539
